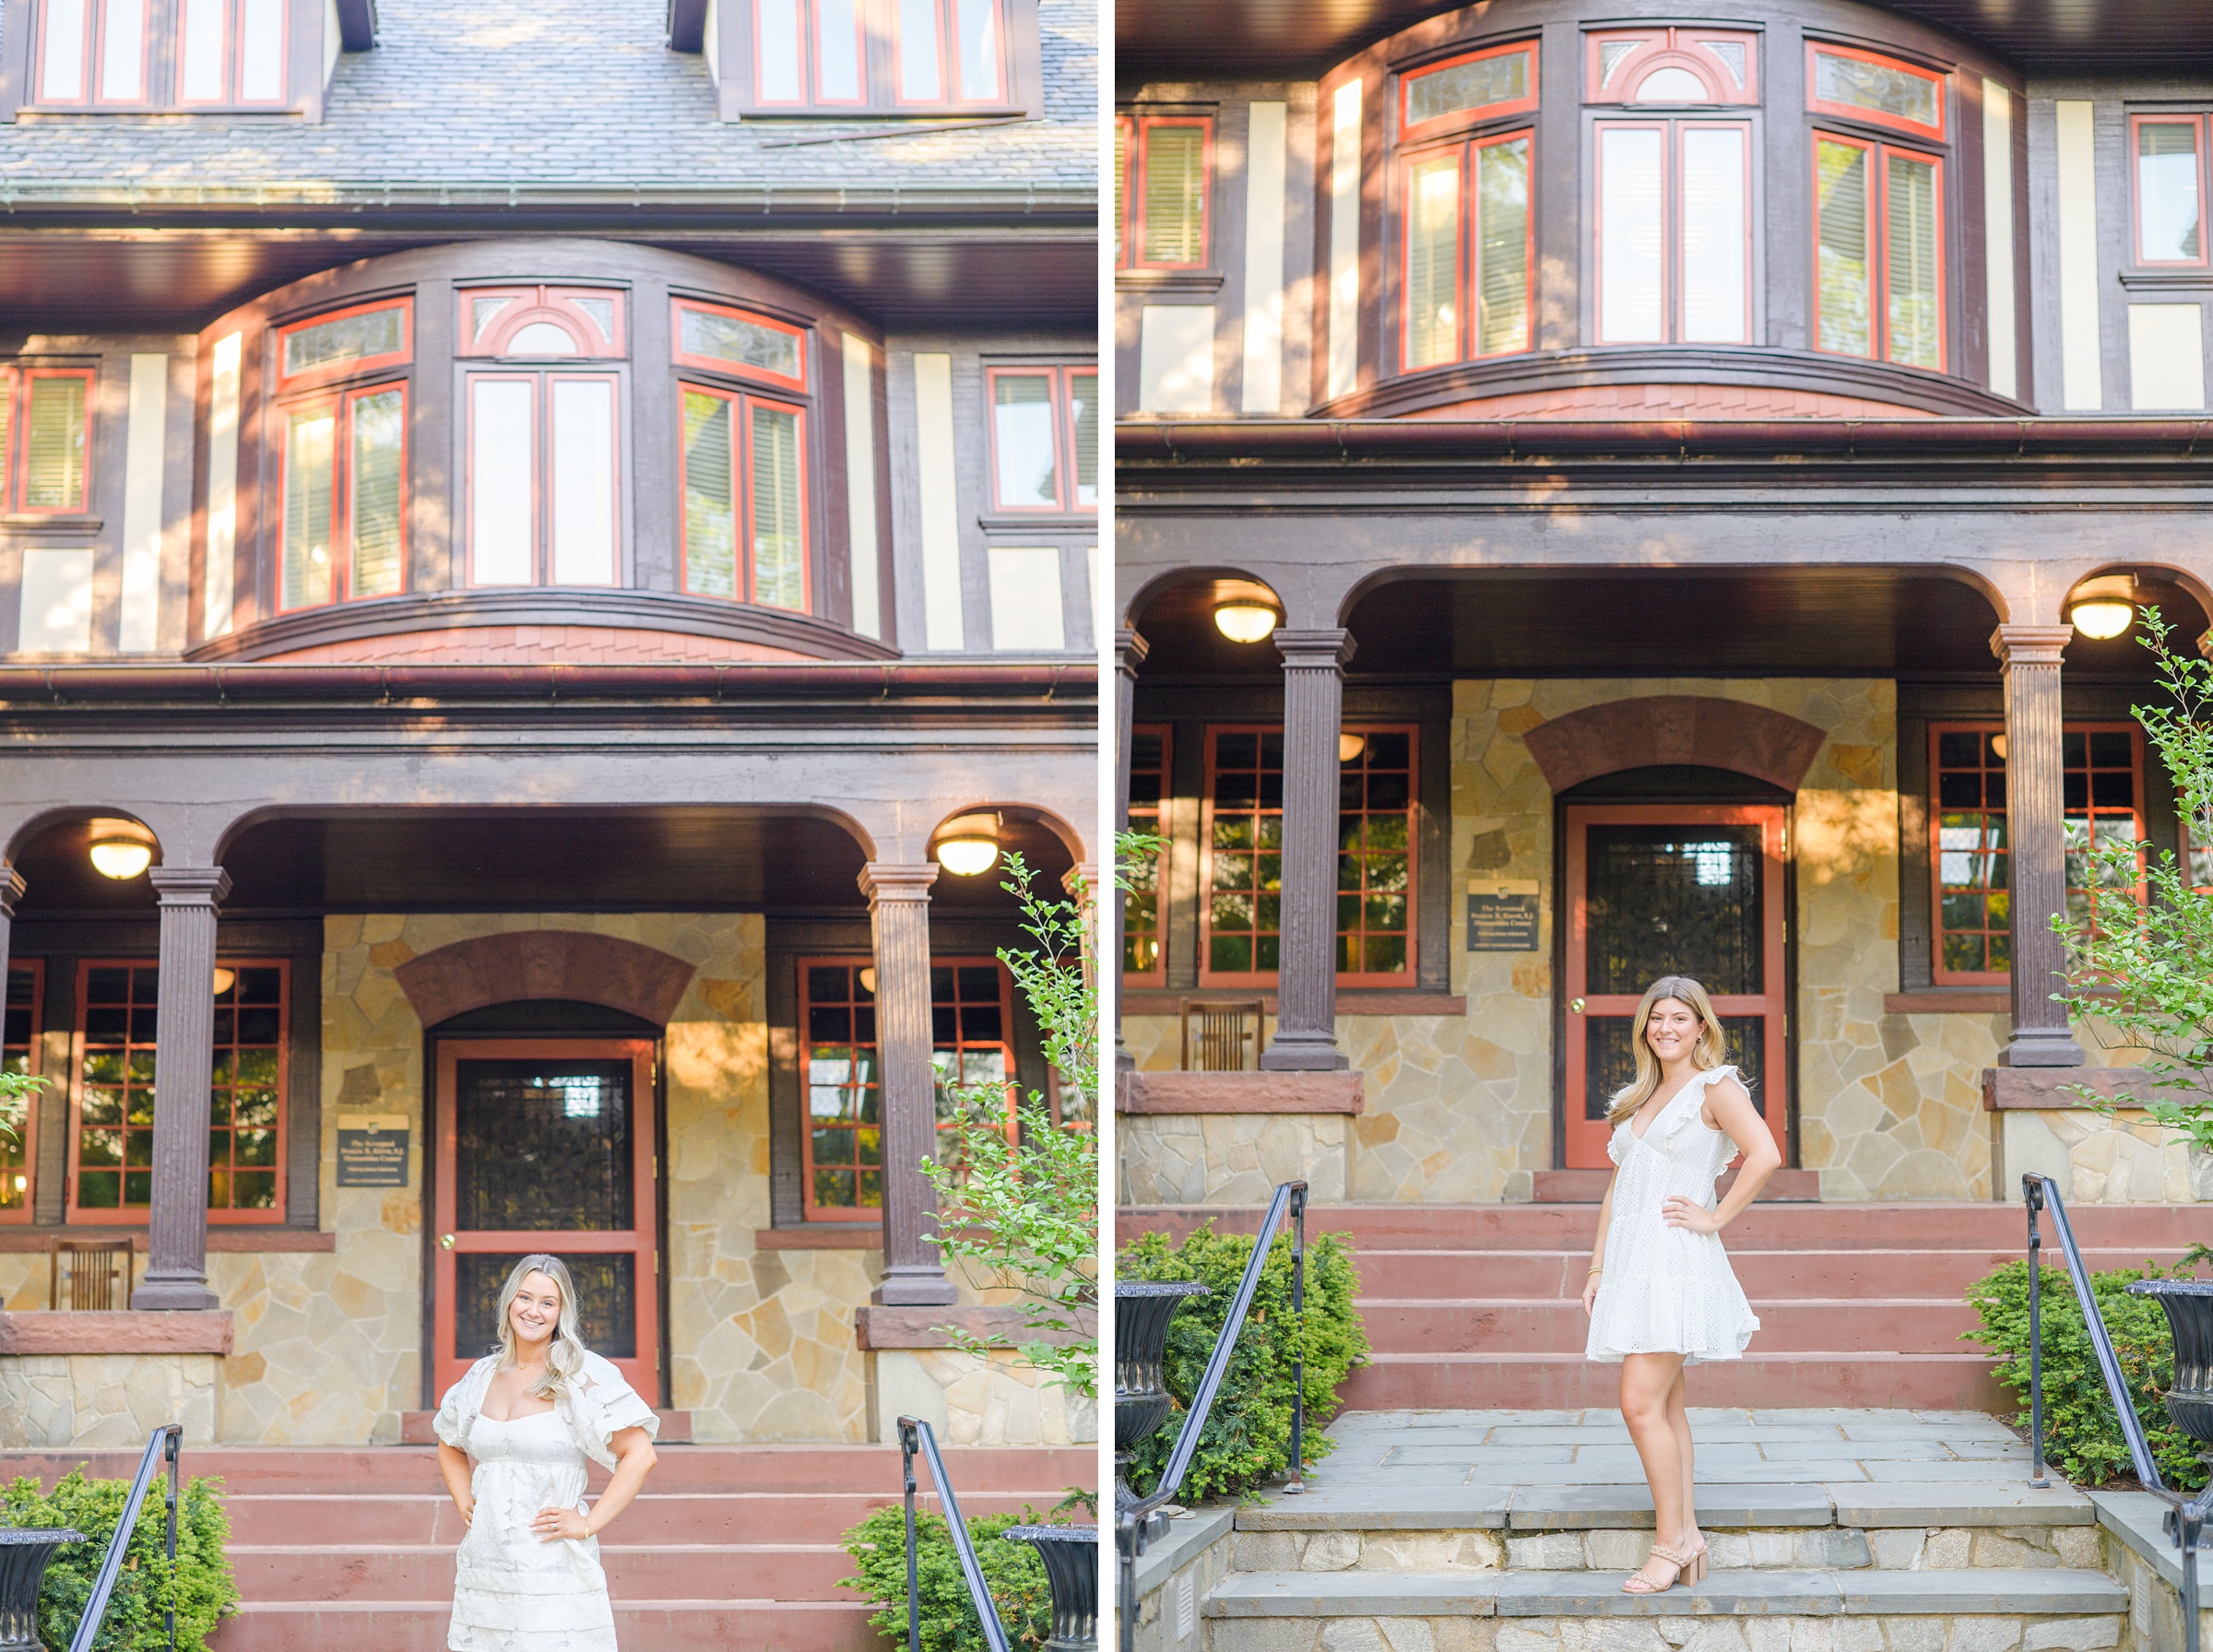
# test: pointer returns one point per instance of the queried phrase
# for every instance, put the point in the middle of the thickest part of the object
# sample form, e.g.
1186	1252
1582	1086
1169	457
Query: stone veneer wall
1460	1110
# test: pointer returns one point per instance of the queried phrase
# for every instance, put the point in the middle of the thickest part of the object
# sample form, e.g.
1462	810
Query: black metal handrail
163	1443
2186	1519
915	1435
1134	1526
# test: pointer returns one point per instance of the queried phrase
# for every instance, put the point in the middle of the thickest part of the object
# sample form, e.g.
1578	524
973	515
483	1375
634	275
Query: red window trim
734	370
1411	130
19	437
1468	241
1938	974
331	372
11	410
1066	405
539	302
1061	398
342	486
1676	46
808	17
1878	241
2196	122
745	521
809	1210
1157	976
1125	196
132	1216
945	15
1874	117
234	98
1209	977
36	969
1143	126
96	34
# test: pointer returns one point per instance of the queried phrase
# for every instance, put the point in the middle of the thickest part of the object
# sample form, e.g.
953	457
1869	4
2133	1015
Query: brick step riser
1960	1383
377	1575
688	1626
1560	1327
655	1518
344	1471
1933	1225
1934	1274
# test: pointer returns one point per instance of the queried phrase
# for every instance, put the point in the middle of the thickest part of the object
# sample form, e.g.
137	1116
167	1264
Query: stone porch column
2036	839
914	1271
1130	651
176	1272
1306	991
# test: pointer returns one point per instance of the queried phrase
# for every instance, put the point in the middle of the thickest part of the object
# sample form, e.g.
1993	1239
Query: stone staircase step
676	1626
1906	1325
1395	1381
2010	1592
656	1571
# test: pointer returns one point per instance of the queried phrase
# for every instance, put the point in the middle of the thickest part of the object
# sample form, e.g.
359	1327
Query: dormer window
92	53
880	57
231	53
218	54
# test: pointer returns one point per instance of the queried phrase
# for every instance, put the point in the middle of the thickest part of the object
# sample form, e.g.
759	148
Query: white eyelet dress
1668	1290
513	1592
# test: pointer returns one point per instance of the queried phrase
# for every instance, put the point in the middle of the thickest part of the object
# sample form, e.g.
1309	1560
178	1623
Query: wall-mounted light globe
2103	608
868	979
1244	621
121	849
968	848
1350	747
225	979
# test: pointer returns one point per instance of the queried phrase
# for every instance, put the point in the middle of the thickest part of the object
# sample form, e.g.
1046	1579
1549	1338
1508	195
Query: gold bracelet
1599	1270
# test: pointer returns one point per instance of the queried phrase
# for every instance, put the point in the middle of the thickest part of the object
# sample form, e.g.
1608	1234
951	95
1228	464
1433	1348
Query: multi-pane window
1673	191
972	1023
545	464
2103	777
744	460
1470	85
232	51
1242	920
90	54
1884	91
2168	153
112	1153
1142	955
100	54
816	55
19	1054
1163	164
1878	250
45	438
342	456
1468	251
1045	438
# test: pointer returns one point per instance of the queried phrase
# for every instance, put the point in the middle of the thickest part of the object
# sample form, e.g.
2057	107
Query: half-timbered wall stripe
1345	240
938	499
222	484
1265	151
861	484
144	447
2082	387
1998	235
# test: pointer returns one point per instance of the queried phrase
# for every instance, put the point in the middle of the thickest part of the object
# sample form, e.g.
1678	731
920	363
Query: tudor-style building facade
1610	491
512	563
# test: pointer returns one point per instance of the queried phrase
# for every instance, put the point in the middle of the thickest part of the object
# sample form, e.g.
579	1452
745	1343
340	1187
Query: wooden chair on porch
1230	1031
101	1272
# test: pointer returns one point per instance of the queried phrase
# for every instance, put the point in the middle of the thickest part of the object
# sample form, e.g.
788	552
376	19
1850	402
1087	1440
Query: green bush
2082	1434
1012	1571
202	1591
1248	1436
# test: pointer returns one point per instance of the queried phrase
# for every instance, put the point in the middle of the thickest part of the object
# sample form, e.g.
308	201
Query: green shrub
1012	1571
1248	1436
203	1590
2082	1434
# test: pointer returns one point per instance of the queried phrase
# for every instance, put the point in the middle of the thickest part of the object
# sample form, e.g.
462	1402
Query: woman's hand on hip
1680	1212
554	1524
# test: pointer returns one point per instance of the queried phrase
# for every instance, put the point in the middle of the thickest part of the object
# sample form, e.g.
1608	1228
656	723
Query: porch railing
2186	1516
915	1435
161	1445
1140	1523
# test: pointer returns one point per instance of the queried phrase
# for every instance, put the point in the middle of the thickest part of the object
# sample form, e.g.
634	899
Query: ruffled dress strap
597	1405
1686	1105
464	1402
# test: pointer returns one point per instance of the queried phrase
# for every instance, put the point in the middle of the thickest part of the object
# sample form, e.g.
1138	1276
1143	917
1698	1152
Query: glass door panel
547	1145
1671	891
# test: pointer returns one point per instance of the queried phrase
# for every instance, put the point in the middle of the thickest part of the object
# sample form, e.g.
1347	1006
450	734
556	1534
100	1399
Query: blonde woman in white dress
1660	1293
514	1437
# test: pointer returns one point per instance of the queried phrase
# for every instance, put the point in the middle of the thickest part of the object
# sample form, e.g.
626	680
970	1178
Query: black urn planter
1142	1309
24	1551
1071	1571
2189	1306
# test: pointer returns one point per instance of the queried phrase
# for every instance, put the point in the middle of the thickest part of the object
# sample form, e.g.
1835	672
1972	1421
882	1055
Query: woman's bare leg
1646	1380
1678	1422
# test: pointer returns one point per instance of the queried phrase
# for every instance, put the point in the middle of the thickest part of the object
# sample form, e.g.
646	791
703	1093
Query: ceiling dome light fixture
968	848
2102	609
225	979
121	849
1246	611
1350	747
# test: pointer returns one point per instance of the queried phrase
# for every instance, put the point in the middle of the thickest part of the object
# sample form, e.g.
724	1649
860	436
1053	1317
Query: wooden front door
1672	890
547	1145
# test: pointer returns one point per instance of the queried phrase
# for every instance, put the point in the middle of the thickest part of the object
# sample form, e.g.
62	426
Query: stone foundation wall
1230	1158
2129	1160
115	1401
969	1400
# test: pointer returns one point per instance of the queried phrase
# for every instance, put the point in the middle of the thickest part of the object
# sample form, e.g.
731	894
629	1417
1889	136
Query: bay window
2169	185
744	485
1878	252
1045	438
45	439
1163	165
1468	251
1674	232
341	455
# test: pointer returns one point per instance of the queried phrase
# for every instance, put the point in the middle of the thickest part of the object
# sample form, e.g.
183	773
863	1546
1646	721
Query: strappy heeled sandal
1638	1583
1696	1571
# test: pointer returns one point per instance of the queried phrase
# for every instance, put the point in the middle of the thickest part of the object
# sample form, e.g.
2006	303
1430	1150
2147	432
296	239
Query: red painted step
763	1571
1478	1306
683	1625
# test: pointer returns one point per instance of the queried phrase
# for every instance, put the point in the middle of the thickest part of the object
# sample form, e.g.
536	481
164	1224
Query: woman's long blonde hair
1709	1052
565	1354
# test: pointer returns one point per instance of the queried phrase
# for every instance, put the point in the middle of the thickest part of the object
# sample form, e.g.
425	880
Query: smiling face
1673	1031
534	1312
